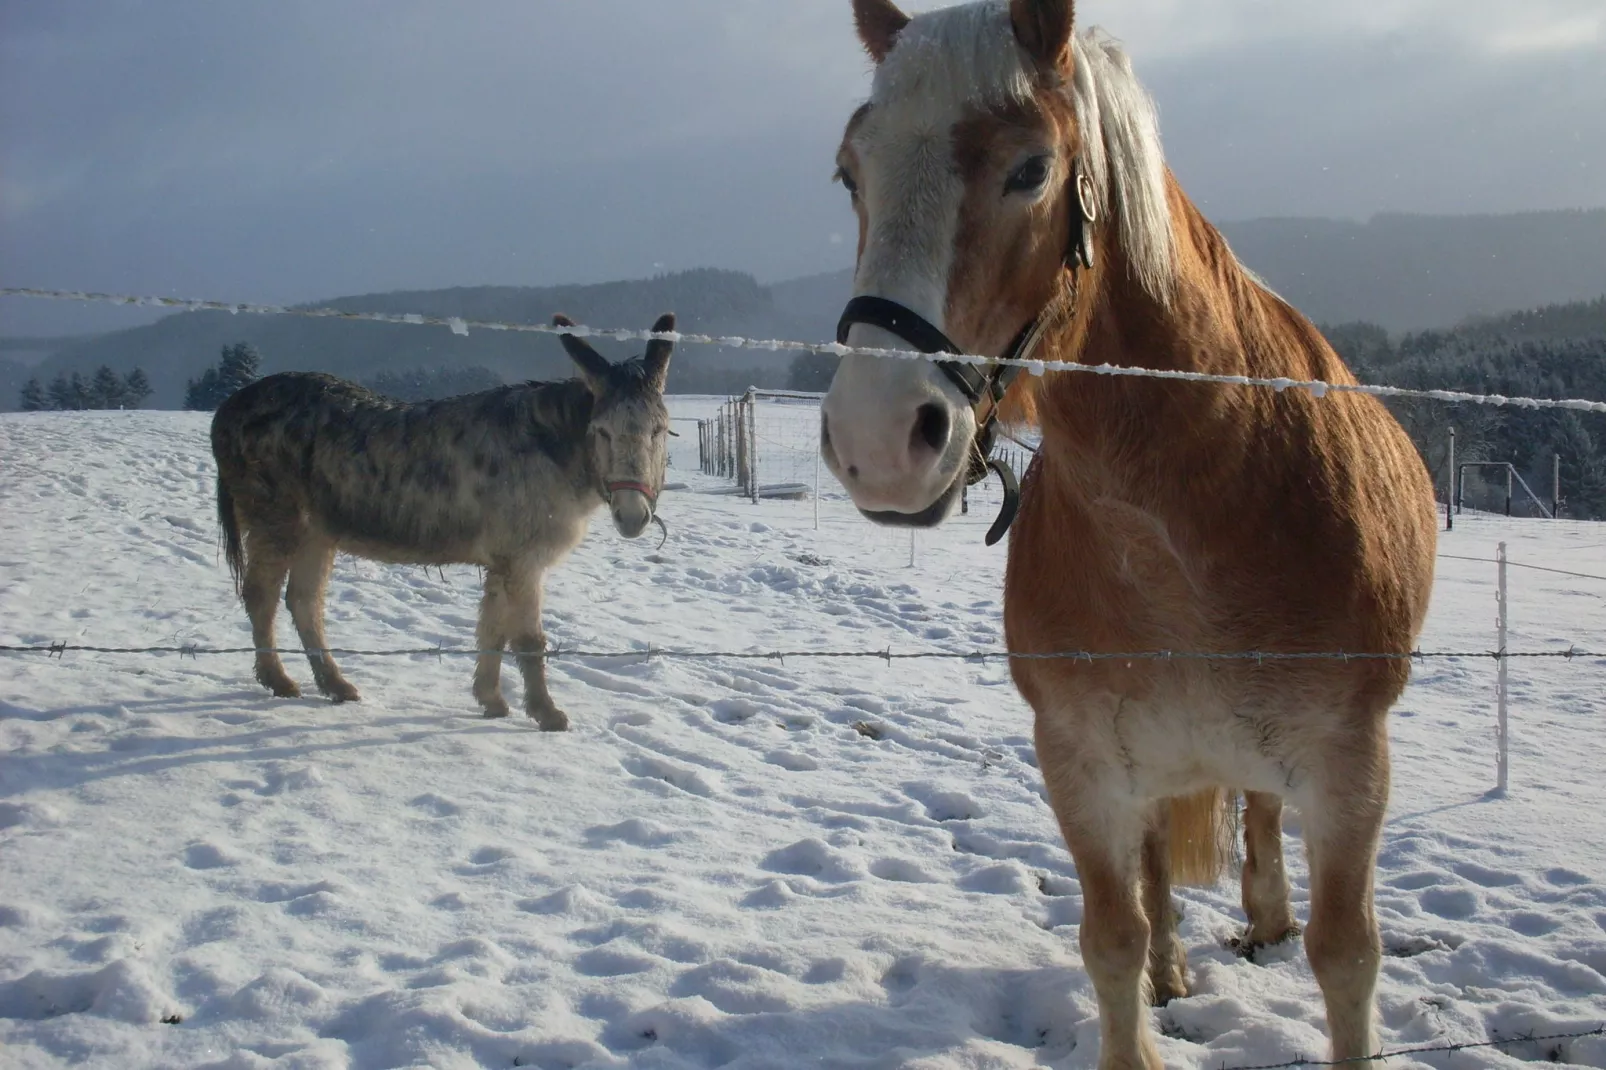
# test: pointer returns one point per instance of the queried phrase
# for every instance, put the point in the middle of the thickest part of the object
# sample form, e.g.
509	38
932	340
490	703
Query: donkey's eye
1029	176
846	179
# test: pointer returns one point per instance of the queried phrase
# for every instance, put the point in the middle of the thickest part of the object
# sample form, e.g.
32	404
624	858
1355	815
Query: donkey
1012	199
506	479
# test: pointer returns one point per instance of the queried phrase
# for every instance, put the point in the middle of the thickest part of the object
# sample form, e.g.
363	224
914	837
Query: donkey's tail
1203	835
229	521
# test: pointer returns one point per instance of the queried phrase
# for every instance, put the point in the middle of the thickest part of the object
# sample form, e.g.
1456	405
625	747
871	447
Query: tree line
104	389
1553	352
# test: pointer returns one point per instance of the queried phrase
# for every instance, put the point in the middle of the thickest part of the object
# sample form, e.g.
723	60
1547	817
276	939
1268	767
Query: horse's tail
229	521
1203	834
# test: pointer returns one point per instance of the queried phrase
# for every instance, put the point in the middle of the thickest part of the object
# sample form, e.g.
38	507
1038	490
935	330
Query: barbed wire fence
732	445
461	325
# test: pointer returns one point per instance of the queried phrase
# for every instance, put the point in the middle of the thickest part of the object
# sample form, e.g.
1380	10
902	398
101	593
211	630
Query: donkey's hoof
550	718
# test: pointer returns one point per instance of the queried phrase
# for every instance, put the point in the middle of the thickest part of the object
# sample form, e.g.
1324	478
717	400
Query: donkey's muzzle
632	509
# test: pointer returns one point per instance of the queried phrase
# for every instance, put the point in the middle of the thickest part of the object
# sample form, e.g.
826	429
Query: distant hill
1400	272
179	347
1410	272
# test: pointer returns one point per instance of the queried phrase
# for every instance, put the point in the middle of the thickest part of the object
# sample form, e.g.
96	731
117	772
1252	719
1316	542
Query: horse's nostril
931	427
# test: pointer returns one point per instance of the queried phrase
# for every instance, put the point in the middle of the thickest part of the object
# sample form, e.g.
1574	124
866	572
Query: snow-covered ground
726	863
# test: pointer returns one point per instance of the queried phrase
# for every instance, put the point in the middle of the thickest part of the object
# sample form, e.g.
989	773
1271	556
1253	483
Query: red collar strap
625	484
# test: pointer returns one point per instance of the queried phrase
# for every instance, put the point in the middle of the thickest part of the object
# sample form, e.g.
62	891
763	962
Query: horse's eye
1029	176
846	179
604	434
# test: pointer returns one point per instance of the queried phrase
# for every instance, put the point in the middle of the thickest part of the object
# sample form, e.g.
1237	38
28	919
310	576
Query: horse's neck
1147	441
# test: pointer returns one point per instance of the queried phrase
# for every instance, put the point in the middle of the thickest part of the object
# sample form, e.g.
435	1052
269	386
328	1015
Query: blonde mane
969	55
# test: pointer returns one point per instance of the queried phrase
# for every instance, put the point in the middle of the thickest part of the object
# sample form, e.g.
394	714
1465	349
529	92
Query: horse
507	479
1013	201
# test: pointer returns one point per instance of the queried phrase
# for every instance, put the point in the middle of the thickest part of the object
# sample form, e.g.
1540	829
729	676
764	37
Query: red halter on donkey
1011	194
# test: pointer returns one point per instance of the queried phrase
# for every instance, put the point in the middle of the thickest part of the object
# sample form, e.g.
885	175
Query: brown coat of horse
1158	515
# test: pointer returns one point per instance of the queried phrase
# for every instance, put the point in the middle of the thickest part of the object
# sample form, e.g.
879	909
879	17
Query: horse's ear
594	365
658	351
1043	28
879	23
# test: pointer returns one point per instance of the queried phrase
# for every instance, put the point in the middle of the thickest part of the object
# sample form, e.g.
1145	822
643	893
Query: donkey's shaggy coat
505	479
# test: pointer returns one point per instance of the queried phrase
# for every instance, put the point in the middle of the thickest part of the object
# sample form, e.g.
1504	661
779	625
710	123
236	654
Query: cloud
303	148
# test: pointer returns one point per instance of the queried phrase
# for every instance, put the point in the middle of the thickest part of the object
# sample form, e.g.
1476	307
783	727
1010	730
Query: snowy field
726	863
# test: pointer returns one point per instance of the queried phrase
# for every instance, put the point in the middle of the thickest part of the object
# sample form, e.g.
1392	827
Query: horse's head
628	436
976	198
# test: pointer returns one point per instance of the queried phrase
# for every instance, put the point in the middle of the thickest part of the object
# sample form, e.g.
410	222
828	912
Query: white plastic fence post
816	488
1502	729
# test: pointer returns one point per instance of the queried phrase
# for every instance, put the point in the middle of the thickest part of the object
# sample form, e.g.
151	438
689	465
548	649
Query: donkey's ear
593	364
879	23
1043	28
657	359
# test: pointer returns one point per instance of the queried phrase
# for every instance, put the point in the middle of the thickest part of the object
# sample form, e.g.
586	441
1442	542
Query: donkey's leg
309	579
529	640
266	565
491	637
1168	959
1342	822
1265	883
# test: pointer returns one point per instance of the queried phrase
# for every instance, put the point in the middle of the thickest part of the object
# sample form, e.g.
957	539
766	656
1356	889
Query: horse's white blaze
943	65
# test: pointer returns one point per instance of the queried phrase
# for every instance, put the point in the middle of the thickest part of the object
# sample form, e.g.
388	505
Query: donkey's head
976	170
628	436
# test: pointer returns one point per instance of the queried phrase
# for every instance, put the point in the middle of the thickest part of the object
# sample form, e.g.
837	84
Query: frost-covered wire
460	325
886	654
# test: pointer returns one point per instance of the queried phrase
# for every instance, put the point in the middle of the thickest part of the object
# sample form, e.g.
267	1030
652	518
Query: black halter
983	385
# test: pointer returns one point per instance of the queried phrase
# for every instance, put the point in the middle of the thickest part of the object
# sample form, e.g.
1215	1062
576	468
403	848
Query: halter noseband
626	484
984	385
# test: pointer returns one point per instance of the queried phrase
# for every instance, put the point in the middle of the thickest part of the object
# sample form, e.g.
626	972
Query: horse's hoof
282	688
495	707
342	692
1247	946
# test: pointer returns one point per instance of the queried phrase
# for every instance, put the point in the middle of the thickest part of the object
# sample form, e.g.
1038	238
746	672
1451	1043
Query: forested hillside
1554	351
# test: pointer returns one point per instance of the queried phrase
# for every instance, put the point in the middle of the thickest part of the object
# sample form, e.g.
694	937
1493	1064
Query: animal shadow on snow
126	754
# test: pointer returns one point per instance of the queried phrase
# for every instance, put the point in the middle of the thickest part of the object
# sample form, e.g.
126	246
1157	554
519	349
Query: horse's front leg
528	639
1105	827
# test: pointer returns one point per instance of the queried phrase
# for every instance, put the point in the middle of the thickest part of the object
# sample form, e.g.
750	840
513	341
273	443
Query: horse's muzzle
929	517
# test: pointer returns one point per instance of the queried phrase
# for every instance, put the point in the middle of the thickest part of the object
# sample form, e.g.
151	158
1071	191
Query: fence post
1502	729
816	487
750	432
1510	468
1555	486
1449	499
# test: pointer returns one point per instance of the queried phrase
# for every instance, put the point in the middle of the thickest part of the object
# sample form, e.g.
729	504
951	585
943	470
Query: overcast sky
286	150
